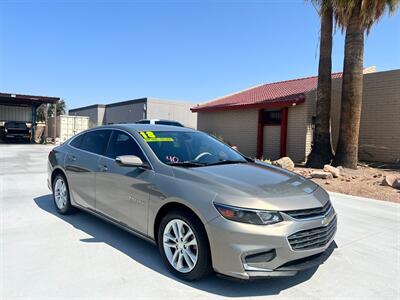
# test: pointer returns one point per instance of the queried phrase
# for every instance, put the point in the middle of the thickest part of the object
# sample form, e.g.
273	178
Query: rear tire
61	196
186	253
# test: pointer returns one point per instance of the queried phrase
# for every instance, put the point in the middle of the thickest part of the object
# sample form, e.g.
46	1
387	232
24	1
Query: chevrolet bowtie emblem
325	221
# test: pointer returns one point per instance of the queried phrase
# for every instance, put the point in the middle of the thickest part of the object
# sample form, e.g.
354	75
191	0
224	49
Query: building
276	119
66	126
22	108
134	110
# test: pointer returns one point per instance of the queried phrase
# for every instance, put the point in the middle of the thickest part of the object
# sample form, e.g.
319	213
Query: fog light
261	257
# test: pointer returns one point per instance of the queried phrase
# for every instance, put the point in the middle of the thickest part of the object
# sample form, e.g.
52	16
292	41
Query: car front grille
313	238
309	213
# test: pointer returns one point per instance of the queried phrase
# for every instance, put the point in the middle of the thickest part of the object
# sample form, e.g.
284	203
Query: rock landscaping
285	163
392	180
336	172
365	181
321	174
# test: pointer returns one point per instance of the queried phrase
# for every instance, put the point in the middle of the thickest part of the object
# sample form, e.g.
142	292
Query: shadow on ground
14	142
384	166
147	254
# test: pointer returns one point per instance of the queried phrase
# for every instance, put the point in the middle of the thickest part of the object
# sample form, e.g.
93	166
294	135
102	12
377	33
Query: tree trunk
321	152
352	86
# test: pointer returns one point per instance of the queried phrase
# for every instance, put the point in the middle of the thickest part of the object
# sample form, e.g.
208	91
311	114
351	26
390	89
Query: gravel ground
365	182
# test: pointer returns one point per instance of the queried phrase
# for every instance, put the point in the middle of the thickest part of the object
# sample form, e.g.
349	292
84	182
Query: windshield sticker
149	136
172	159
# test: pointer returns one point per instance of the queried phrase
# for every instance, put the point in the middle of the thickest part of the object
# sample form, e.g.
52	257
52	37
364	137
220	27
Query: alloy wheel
60	193
180	246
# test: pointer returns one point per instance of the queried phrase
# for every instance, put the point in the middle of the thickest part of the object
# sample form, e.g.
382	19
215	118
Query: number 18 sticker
149	136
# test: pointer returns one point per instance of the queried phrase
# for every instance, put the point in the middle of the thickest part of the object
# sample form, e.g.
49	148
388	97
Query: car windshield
190	149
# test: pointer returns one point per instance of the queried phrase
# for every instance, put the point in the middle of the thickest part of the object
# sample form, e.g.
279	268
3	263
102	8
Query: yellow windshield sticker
149	136
159	140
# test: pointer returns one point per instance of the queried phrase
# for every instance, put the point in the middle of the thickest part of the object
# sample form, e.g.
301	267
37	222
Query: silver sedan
206	206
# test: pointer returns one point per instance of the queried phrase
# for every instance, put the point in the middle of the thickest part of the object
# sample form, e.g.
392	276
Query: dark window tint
76	142
272	117
123	144
143	122
95	141
170	123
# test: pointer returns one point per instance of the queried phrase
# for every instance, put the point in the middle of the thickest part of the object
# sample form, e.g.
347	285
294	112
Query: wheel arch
167	207
56	172
206	266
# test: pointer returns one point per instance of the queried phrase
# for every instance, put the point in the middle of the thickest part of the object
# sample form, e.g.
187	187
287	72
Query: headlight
251	216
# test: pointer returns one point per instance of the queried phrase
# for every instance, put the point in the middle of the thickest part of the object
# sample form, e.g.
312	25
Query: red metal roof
271	94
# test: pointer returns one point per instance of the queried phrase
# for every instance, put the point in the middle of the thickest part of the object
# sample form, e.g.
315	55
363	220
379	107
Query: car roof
146	127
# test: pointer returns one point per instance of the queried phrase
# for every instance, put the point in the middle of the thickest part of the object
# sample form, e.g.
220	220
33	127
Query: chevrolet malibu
206	206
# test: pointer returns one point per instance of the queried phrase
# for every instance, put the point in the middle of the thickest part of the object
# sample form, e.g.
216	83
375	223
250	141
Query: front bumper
231	242
17	136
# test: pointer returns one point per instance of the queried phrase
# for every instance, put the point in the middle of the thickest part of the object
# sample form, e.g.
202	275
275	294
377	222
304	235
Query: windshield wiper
185	164
226	162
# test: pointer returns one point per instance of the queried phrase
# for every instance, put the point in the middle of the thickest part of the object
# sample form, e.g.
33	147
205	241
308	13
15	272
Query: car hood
256	185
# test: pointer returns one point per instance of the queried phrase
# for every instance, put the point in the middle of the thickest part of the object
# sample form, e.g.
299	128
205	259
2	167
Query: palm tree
61	107
42	109
357	17
321	152
41	113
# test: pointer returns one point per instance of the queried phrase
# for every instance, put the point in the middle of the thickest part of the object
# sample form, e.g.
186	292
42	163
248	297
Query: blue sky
105	51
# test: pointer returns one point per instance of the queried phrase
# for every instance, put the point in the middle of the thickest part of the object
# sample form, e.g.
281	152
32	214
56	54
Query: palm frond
321	5
370	11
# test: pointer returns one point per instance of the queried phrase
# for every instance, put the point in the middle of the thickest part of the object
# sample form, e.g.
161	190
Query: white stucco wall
172	110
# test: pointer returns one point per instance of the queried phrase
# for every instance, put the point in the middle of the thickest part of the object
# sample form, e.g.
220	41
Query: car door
81	164
122	192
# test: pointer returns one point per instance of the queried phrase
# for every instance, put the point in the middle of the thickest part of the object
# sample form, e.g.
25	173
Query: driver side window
123	144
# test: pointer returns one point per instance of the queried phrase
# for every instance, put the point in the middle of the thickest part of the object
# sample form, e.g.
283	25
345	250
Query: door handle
72	158
103	168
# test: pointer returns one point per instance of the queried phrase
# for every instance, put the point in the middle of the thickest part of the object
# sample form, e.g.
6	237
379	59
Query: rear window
143	122
76	142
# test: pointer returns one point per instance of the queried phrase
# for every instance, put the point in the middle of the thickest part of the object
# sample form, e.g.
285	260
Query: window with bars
272	117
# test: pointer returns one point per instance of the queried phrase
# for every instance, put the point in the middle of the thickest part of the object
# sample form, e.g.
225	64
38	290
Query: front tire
183	245
61	196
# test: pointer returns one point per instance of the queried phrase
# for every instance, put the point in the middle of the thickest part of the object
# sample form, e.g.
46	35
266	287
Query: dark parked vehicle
17	130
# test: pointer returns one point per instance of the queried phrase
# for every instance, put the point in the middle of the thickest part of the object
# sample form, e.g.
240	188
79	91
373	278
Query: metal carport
8	101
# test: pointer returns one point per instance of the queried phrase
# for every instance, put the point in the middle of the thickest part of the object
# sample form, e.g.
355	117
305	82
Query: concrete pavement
48	256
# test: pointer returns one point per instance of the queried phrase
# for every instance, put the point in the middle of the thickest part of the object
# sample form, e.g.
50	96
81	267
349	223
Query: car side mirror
130	161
